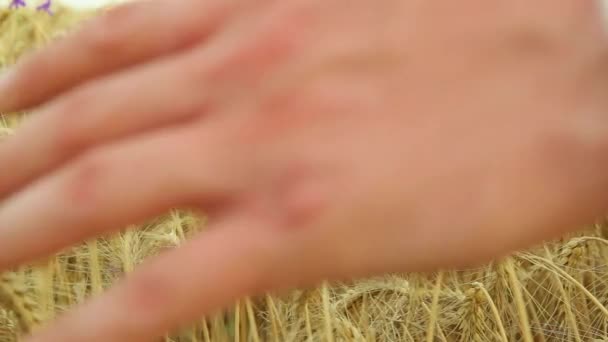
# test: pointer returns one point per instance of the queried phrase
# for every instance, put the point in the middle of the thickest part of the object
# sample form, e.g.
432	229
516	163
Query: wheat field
556	292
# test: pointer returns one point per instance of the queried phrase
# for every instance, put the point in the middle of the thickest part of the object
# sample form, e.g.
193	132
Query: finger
236	258
114	186
124	36
232	65
146	97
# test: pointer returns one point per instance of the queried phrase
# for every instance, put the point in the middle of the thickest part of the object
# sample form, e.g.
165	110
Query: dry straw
557	292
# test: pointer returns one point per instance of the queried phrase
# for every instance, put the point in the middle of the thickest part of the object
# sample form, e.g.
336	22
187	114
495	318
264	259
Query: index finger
236	257
124	36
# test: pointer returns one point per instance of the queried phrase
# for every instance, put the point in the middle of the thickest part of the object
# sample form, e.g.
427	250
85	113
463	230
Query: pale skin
326	140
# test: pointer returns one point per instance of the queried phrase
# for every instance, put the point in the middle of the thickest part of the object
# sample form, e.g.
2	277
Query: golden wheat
557	292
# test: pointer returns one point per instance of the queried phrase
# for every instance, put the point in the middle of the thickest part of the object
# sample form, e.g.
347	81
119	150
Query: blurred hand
326	140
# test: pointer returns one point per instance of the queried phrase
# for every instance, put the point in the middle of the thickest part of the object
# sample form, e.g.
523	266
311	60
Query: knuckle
286	33
83	183
279	39
147	295
302	195
305	205
71	137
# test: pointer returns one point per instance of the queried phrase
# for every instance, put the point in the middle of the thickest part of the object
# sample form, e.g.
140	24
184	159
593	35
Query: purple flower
46	7
17	3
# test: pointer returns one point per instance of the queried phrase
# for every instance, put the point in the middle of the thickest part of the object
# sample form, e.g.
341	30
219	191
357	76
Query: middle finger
150	96
117	185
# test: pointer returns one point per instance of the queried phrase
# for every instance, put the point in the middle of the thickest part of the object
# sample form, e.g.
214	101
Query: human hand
326	140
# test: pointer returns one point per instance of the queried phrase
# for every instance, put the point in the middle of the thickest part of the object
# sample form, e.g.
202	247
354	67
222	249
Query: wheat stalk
13	297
